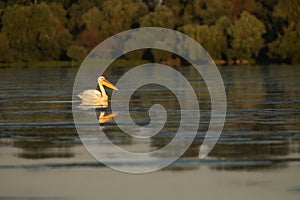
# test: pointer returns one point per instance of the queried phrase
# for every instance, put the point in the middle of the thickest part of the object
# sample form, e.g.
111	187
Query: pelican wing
90	95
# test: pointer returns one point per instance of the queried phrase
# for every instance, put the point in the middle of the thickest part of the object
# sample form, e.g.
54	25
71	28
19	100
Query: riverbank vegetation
232	31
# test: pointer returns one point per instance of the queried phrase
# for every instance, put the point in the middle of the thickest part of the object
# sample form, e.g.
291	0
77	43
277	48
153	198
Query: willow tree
75	12
30	31
76	53
161	17
200	33
121	15
213	10
247	34
62	37
5	52
286	46
91	36
288	10
218	39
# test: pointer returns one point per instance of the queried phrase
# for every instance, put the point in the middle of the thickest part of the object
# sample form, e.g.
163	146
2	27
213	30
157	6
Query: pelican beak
109	84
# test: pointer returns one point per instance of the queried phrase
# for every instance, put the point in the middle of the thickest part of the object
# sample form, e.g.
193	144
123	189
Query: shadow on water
261	129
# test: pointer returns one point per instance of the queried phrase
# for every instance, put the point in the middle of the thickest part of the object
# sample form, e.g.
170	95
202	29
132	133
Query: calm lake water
259	145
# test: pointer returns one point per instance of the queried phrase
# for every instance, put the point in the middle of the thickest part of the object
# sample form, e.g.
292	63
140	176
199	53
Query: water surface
261	132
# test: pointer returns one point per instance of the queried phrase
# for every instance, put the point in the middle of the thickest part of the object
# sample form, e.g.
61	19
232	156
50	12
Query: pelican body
96	97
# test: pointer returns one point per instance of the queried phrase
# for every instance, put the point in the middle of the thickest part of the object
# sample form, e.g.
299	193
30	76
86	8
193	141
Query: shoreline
128	63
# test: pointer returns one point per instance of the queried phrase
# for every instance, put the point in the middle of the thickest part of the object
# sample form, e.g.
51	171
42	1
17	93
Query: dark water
262	129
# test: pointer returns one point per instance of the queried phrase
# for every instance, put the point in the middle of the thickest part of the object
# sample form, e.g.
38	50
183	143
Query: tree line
249	31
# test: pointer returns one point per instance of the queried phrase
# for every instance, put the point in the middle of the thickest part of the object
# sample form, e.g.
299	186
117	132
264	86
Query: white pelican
96	97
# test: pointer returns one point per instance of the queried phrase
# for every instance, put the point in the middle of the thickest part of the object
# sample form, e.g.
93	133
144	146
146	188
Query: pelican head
103	81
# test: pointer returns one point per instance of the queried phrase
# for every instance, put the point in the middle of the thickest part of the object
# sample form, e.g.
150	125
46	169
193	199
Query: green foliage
161	17
76	53
247	36
30	31
16	30
197	32
5	54
220	38
151	4
286	47
288	10
59	13
200	33
160	56
93	19
262	30
213	10
121	15
75	12
134	55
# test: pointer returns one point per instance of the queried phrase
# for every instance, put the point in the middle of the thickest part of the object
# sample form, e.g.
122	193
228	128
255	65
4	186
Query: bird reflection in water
105	118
